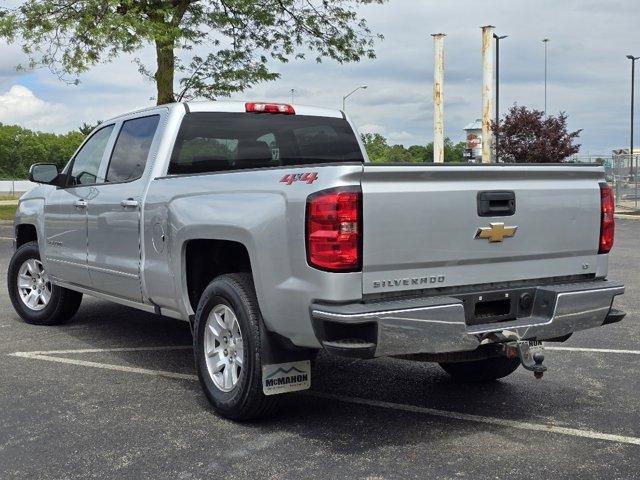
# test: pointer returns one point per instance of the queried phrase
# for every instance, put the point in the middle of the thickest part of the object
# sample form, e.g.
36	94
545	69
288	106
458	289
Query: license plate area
497	306
492	308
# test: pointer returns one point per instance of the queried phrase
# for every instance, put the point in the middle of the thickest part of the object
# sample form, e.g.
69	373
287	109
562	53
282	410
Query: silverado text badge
407	282
496	232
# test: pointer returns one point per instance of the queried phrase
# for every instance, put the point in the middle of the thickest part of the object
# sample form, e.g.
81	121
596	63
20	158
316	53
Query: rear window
211	142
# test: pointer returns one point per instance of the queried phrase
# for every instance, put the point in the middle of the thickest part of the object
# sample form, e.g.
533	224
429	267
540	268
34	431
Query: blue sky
589	76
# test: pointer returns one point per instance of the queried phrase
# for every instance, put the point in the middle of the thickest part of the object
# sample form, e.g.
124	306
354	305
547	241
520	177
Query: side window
131	150
86	163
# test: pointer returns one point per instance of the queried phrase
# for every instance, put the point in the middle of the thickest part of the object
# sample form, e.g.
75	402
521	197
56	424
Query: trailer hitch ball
531	361
539	369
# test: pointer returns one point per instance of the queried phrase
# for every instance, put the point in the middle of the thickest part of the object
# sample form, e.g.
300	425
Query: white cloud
372	128
401	137
19	105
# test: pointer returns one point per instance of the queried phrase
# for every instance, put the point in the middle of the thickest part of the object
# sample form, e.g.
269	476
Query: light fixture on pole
497	139
633	173
344	99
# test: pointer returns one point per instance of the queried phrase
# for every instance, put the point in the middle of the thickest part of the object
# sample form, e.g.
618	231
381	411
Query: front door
65	213
113	247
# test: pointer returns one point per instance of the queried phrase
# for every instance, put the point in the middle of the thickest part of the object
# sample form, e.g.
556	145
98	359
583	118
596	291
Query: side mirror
44	173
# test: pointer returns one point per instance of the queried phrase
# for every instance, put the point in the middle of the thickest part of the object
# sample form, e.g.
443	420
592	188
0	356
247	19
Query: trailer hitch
529	352
531	360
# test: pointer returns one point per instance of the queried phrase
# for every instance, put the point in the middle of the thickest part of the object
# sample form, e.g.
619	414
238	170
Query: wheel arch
212	252
204	259
25	233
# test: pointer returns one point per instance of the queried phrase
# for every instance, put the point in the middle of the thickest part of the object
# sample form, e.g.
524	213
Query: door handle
496	204
79	204
129	203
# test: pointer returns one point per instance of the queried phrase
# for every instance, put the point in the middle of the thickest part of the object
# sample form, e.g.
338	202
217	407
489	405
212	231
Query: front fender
30	211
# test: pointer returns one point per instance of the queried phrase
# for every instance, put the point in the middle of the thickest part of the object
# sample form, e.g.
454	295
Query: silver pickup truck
266	228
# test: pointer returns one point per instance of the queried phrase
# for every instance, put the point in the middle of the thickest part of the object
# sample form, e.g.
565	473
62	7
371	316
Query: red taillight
283	108
334	227
607	221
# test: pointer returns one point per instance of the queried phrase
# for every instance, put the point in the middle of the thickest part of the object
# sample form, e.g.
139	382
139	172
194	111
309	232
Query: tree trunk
165	74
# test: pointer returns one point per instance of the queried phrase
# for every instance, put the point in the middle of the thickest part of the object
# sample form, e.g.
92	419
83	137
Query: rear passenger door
114	214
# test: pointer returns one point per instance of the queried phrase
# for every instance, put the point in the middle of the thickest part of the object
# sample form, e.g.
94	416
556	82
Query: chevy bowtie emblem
497	232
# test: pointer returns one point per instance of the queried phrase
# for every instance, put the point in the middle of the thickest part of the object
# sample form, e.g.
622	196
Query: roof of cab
239	107
232	107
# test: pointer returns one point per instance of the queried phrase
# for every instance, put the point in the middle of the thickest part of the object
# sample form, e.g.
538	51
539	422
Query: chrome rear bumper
438	324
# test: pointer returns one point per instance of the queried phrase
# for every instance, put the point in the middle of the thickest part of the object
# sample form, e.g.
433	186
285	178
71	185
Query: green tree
239	38
87	128
398	154
379	150
454	152
376	146
420	153
20	148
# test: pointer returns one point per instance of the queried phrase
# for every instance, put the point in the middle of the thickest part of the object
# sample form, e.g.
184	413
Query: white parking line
99	350
107	366
538	427
500	422
6	238
593	350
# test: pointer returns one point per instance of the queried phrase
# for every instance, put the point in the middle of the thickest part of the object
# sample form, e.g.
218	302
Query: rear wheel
227	347
32	294
483	370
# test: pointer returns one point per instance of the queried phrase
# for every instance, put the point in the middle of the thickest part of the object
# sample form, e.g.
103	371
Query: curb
623	216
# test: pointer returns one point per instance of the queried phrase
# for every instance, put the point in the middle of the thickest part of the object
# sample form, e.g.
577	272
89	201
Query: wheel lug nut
226	353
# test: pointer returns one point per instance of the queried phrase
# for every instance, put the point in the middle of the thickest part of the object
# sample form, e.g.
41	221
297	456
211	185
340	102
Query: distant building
473	152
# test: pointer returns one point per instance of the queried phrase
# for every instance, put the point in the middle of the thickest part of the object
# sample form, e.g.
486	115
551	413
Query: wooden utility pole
438	98
487	93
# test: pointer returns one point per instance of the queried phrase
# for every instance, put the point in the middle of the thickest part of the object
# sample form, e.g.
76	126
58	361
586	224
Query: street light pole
293	92
344	99
545	41
633	173
497	122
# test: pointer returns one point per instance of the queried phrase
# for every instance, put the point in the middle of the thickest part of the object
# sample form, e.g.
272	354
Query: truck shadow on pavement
103	325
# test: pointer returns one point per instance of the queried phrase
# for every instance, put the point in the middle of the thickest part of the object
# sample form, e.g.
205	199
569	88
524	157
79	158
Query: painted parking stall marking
593	350
538	427
50	356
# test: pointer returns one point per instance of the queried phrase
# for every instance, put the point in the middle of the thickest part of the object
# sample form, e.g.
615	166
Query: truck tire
34	297
227	348
484	370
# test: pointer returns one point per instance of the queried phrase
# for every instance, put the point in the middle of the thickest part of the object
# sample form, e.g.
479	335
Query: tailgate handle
496	204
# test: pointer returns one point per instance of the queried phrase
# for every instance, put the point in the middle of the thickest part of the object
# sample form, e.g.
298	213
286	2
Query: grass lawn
7	212
9	197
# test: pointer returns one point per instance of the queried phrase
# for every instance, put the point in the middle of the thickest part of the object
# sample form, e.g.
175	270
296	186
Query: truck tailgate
421	224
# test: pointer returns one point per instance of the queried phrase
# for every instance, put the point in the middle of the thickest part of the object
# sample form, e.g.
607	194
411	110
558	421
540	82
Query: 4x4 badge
496	232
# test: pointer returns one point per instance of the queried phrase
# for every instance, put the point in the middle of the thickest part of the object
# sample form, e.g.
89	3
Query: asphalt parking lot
112	395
